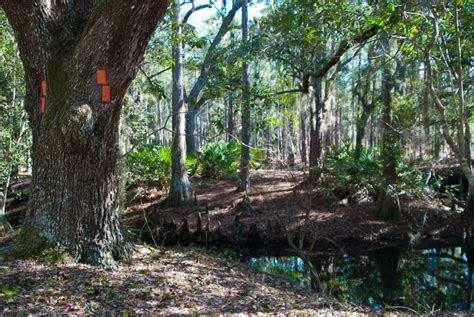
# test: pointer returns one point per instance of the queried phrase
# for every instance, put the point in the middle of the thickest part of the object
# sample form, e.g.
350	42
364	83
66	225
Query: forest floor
191	280
169	281
276	207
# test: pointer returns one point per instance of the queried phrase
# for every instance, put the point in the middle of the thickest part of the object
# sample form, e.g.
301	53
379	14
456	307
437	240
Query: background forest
354	88
355	110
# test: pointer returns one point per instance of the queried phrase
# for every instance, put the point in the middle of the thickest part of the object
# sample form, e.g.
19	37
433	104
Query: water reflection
422	280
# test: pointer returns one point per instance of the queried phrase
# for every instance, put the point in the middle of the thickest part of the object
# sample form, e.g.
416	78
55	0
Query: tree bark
158	123
367	108
5	226
230	118
361	123
315	146
304	159
75	141
245	150
191	114
388	204
290	144
180	189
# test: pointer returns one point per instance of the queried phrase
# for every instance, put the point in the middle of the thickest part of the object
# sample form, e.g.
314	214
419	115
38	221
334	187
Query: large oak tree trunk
74	197
75	141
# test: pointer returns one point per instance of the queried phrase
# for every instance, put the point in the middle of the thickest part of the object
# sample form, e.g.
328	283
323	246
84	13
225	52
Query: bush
366	172
222	159
152	163
348	170
219	160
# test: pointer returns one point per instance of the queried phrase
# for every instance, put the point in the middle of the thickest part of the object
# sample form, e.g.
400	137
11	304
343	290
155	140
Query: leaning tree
79	58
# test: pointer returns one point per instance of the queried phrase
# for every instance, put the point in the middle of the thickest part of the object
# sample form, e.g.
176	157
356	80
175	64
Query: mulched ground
278	197
175	281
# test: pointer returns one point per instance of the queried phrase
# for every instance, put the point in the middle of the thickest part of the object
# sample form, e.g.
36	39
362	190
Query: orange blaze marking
106	93
44	91
101	77
43	88
43	102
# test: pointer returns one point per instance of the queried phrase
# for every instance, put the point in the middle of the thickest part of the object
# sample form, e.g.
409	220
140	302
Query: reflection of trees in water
435	277
347	278
421	280
386	262
470	281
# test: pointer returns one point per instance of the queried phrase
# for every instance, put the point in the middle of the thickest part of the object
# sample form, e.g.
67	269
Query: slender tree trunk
426	118
245	150
284	138
315	146
461	144
291	146
464	131
361	124
268	141
180	189
194	100
76	138
230	119
388	205
5	226
158	123
304	150
367	108
191	130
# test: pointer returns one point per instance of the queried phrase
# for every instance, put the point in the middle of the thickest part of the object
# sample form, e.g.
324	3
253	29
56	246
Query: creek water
422	280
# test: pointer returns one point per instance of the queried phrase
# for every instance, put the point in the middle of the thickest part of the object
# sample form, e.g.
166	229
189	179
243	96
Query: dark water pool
423	280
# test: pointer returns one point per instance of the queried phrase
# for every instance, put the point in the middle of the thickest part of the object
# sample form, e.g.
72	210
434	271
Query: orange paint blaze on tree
101	77
106	93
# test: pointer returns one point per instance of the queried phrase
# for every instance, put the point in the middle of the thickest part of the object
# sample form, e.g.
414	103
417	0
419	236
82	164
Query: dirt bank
276	208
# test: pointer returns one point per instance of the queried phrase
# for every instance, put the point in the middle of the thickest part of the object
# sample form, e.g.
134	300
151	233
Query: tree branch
194	9
206	66
465	166
347	44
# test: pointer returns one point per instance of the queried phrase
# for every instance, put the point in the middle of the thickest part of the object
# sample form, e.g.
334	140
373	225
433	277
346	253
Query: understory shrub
152	163
346	169
219	160
365	171
222	159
